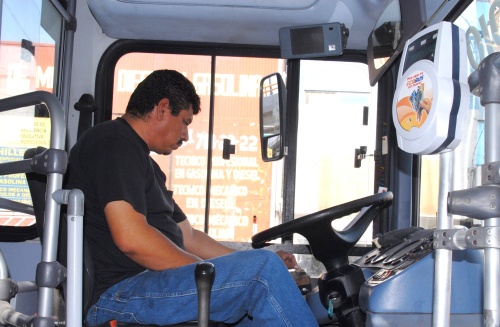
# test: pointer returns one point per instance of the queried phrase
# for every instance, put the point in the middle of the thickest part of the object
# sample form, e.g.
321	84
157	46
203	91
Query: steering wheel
329	246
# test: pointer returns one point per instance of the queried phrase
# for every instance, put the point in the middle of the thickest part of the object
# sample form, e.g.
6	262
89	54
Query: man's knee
265	258
261	262
268	255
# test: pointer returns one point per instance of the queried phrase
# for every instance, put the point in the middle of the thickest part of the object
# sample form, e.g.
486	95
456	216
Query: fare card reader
432	94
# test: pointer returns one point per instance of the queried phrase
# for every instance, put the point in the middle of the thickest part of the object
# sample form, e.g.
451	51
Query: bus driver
143	246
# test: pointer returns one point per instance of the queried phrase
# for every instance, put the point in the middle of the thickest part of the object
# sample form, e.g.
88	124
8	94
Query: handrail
57	117
51	163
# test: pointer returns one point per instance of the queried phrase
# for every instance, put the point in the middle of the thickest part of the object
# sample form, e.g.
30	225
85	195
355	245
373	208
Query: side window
239	189
480	22
29	42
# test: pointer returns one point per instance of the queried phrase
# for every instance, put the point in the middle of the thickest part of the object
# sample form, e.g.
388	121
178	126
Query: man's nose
185	134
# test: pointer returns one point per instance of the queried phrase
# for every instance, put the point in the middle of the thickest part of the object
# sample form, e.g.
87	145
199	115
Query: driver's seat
37	184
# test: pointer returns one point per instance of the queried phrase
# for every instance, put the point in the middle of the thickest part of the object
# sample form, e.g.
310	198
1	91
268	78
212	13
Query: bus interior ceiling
244	22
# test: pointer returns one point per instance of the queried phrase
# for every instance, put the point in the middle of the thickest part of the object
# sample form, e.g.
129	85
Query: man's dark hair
162	84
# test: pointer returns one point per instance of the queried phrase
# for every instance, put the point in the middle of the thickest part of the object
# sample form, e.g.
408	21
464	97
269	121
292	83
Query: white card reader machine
432	94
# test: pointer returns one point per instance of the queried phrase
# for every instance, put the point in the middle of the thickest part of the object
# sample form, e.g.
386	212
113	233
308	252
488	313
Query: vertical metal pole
69	40
443	259
74	315
211	123
50	242
1	15
54	181
492	255
4	270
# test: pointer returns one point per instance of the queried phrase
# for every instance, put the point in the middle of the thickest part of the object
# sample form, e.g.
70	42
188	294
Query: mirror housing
272	117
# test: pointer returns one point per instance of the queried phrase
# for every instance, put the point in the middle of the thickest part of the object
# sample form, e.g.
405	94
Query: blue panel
411	290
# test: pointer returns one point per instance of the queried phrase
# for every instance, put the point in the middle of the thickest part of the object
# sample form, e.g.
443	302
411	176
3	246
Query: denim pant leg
254	285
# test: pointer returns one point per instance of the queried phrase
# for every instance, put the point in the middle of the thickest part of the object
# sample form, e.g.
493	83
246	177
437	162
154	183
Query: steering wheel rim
328	245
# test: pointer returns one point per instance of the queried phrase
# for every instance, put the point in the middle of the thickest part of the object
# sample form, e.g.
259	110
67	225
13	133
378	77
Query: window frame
104	97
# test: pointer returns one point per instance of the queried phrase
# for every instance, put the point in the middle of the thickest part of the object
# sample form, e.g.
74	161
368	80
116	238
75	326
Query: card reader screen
422	48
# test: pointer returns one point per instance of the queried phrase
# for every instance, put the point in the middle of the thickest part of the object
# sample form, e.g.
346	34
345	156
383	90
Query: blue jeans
254	285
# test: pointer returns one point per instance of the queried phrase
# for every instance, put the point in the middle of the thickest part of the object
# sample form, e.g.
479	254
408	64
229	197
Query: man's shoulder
109	131
105	138
106	127
109	126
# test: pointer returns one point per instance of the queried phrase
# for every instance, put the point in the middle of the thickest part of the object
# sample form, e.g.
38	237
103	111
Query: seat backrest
37	184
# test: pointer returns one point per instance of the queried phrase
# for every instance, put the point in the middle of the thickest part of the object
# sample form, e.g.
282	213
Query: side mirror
272	117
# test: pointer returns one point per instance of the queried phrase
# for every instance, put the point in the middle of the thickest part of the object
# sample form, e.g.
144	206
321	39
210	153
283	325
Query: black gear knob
204	275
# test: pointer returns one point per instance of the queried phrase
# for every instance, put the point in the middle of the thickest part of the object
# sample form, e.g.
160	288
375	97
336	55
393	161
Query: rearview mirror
272	112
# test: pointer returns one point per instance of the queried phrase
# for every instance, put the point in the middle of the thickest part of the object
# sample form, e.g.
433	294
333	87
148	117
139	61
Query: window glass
332	101
240	188
331	106
185	168
30	33
479	21
244	191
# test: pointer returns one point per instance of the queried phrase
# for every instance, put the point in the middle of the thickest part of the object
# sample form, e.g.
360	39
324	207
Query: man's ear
162	108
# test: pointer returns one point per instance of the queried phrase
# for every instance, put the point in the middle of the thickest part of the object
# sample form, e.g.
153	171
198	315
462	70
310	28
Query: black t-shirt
110	162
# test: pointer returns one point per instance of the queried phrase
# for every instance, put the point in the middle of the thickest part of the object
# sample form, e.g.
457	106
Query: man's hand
288	259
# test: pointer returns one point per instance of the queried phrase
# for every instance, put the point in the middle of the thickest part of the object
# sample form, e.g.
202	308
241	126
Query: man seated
143	246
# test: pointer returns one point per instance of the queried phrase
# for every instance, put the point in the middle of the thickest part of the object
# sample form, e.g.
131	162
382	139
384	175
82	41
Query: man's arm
153	250
205	247
149	248
200	244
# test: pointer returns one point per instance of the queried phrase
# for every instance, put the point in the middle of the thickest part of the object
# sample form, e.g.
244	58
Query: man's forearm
205	247
158	253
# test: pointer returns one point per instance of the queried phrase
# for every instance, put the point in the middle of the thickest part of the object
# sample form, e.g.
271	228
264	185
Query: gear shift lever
204	275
